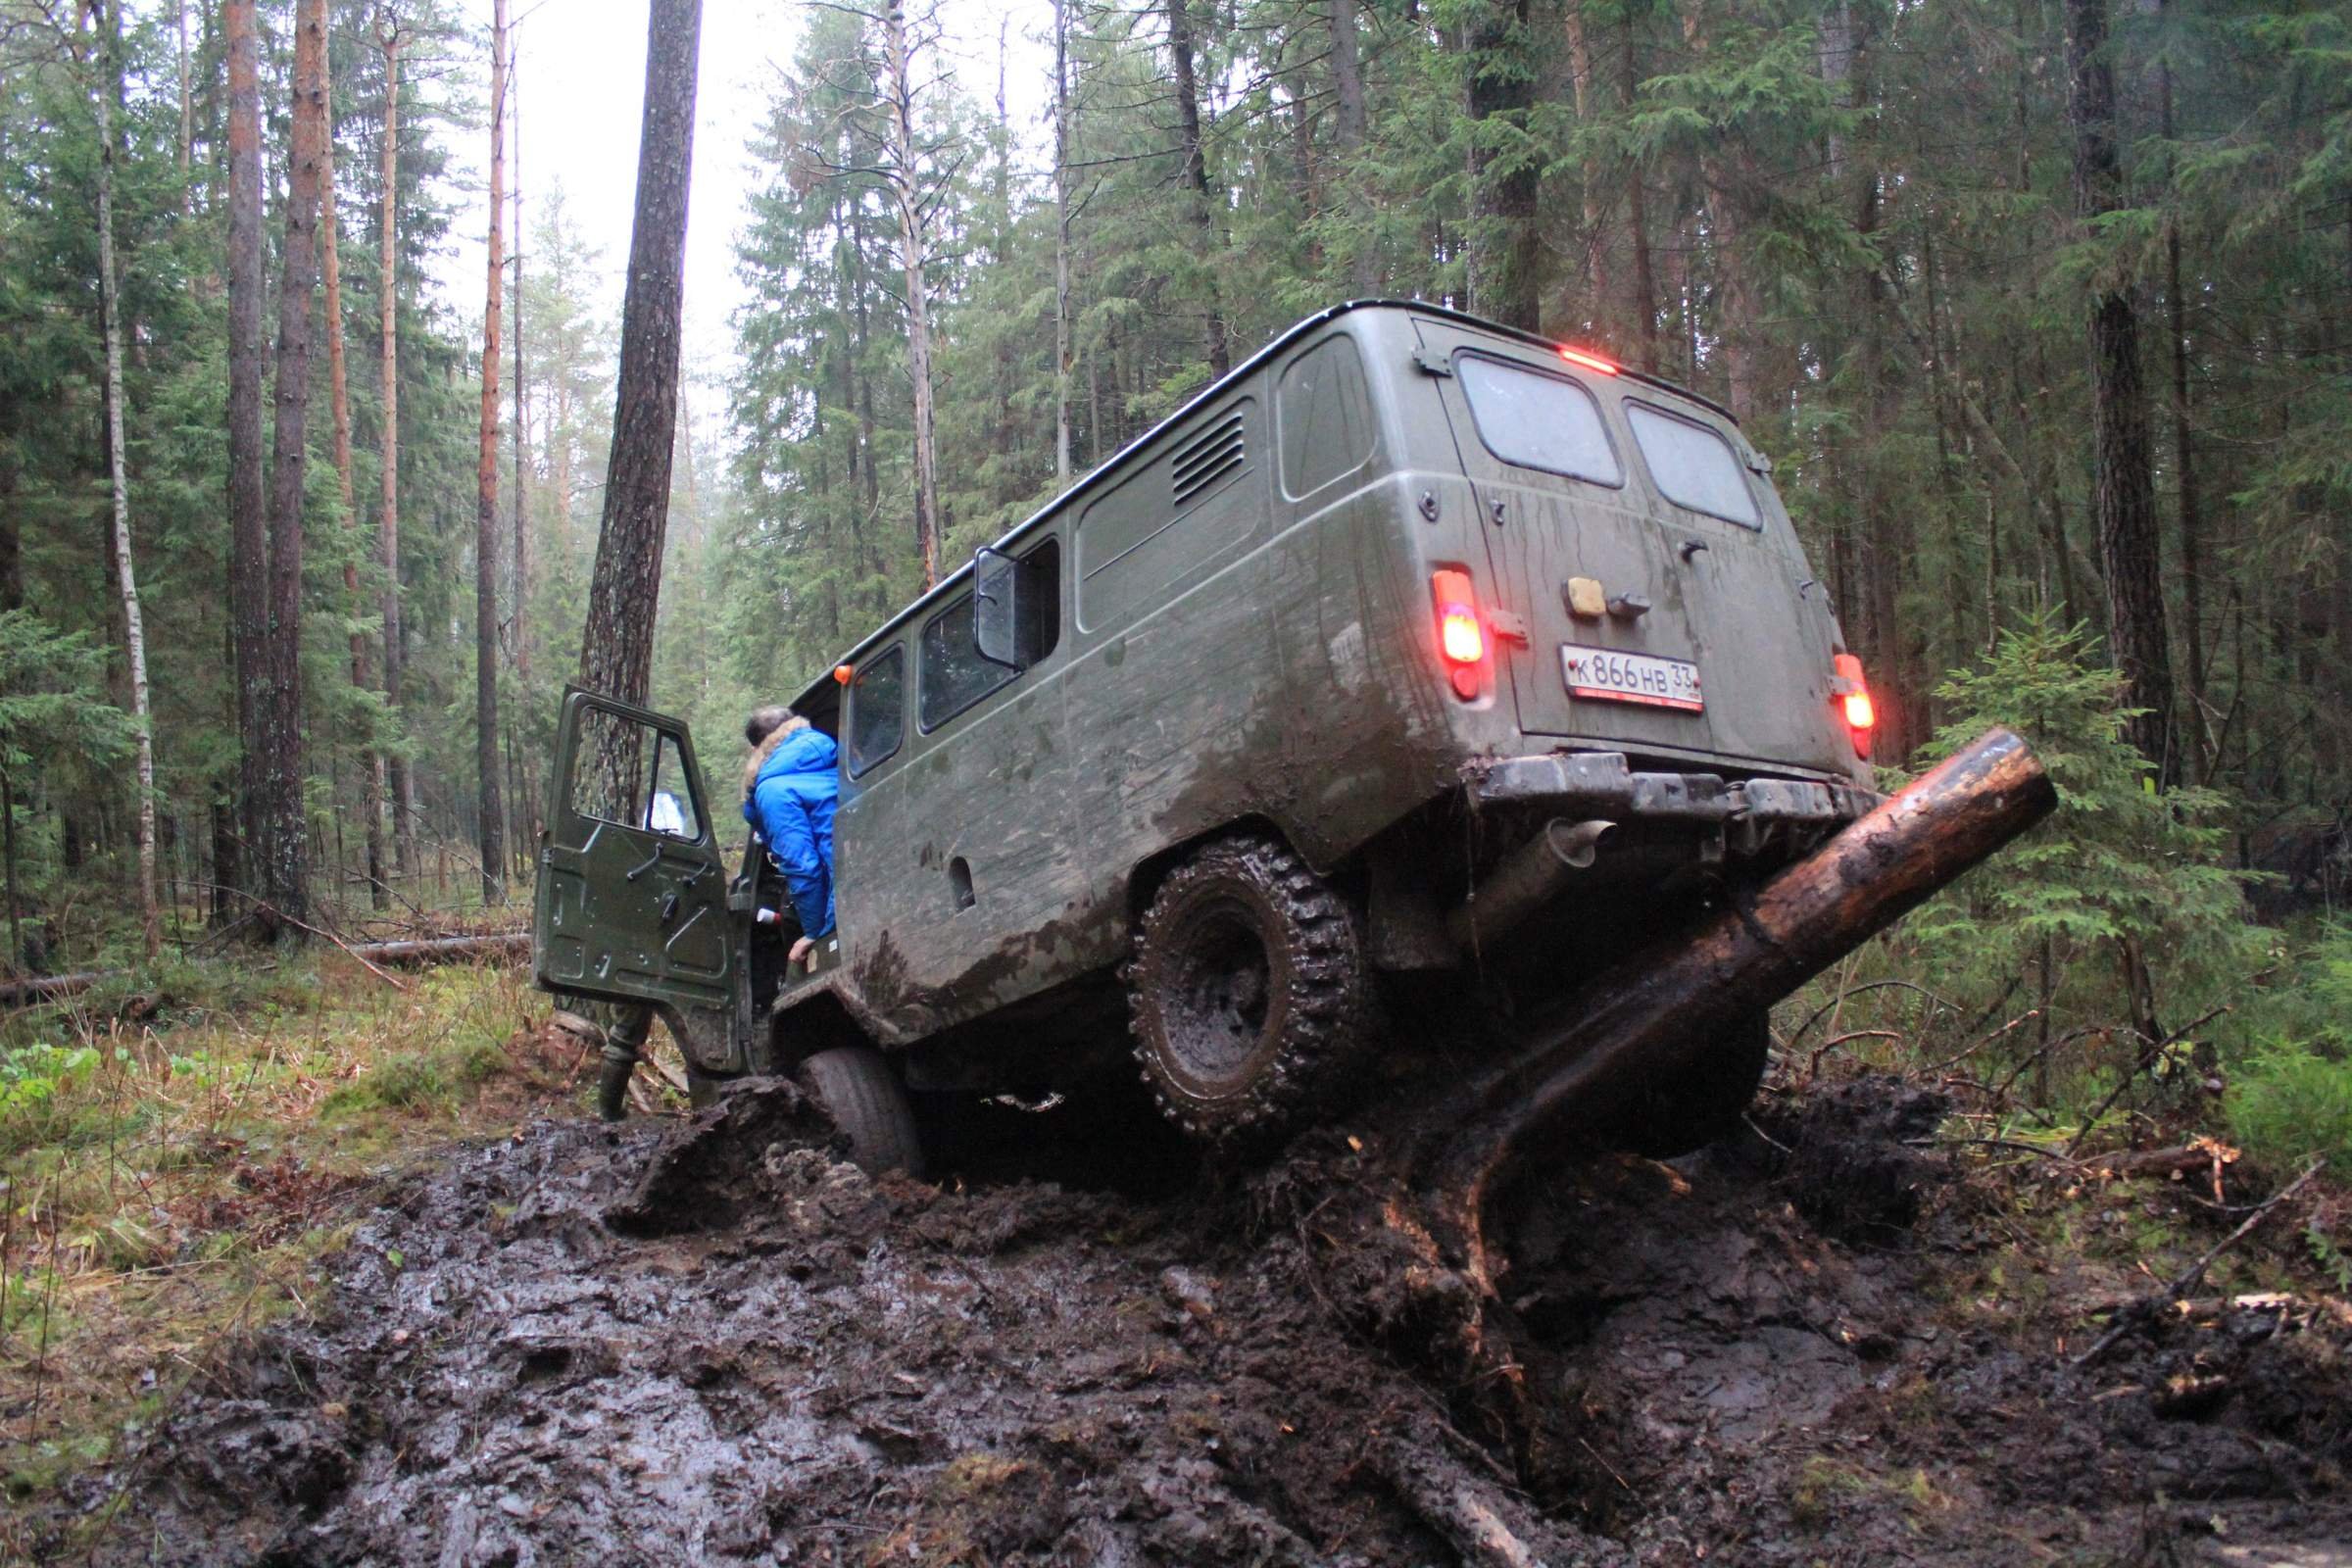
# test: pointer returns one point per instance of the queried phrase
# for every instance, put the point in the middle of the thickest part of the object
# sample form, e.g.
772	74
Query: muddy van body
1415	652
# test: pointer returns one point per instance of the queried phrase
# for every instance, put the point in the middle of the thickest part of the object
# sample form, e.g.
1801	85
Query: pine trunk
2125	489
1062	241
338	391
1348	84
134	634
489	820
280	842
523	562
617	649
915	245
399	781
248	514
1195	177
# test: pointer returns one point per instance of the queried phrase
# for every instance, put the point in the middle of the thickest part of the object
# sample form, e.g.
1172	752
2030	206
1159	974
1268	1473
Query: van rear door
632	900
1568	464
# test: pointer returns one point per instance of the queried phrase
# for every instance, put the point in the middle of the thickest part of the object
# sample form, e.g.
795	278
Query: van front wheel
1247	988
859	1090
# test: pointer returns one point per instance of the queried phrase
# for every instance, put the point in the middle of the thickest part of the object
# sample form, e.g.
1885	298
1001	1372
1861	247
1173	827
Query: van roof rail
821	694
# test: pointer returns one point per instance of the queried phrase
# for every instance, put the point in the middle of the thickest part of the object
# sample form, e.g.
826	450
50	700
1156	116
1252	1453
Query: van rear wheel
1247	988
859	1090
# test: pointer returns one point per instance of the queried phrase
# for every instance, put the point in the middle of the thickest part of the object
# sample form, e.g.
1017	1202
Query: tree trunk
489	820
1645	305
2125	489
400	782
914	241
1195	177
248	517
1593	308
1348	83
523	563
617	649
278	837
2192	524
1504	245
188	115
338	391
1061	240
134	633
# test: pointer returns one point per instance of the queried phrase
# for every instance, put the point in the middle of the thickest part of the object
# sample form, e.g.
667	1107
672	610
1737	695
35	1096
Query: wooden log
1697	987
423	951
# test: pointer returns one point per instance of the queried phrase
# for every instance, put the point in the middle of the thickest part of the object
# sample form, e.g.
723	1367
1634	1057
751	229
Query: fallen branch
2147	1058
2146	1309
413	952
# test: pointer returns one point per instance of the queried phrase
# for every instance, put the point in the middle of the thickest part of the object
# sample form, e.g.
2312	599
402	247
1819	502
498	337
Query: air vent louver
1214	454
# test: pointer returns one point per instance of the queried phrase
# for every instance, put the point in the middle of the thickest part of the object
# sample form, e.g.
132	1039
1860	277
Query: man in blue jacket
790	784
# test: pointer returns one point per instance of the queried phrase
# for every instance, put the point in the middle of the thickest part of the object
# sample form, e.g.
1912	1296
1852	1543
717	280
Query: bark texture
338	392
1180	46
1061	242
126	584
1348	122
248	516
277	834
2124	487
915	245
400	783
489	819
616	651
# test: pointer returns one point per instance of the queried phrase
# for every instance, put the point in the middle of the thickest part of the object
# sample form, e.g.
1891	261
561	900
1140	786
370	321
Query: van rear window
1691	466
1539	421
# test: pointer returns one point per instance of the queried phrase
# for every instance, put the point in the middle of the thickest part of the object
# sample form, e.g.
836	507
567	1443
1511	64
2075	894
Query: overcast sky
580	65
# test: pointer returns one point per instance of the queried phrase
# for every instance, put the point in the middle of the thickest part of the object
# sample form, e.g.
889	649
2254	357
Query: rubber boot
622	1043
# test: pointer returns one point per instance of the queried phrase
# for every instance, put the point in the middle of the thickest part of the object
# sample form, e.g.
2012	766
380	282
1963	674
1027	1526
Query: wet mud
715	1342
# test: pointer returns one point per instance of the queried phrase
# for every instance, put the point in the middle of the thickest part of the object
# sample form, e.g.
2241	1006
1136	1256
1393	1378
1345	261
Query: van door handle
1691	548
669	907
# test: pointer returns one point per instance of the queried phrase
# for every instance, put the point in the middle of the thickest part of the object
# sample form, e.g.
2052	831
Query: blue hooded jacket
791	803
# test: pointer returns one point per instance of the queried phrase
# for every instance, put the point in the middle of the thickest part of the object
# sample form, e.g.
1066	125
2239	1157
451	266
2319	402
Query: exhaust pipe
1531	877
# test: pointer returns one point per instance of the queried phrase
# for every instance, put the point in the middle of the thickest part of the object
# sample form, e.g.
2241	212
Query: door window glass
877	709
627	772
1691	466
1540	422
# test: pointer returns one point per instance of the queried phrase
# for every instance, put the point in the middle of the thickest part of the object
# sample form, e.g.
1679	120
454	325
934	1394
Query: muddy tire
860	1091
1703	1099
1247	989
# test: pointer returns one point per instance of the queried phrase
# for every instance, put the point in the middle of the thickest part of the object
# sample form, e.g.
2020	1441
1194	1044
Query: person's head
763	722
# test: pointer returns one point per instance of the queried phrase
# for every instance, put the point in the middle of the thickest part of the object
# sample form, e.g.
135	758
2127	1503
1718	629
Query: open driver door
632	899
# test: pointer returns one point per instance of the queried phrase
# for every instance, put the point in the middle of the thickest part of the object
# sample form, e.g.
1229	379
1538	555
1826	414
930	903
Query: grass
169	1183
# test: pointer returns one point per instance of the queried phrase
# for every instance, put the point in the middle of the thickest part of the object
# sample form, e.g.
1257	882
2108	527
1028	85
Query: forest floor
1844	1337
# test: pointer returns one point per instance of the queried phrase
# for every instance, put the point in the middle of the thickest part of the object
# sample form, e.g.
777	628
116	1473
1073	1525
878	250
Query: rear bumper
1603	784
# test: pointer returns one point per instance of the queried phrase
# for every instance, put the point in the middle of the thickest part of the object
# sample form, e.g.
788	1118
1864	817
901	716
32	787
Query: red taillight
1591	362
1853	696
1461	636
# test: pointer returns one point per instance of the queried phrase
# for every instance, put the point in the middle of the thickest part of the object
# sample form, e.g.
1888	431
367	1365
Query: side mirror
996	607
667	816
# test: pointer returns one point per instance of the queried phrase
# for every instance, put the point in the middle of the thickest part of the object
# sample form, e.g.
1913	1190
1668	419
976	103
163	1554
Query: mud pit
1775	1353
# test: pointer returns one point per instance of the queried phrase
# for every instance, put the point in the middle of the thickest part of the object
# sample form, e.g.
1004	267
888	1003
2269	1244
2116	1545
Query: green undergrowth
181	1147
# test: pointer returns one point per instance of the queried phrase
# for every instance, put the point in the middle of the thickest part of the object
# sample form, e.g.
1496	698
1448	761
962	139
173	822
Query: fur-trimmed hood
767	749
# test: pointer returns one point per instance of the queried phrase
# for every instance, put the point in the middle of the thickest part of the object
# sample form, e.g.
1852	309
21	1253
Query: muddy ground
715	1342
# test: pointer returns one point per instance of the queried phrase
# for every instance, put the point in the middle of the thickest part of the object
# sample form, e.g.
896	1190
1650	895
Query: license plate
1620	677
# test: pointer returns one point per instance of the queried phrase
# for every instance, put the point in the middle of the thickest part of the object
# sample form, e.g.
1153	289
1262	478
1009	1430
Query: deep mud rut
679	1344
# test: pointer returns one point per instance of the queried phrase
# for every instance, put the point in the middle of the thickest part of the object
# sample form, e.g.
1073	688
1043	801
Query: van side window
1539	421
954	676
1324	409
877	709
1691	466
